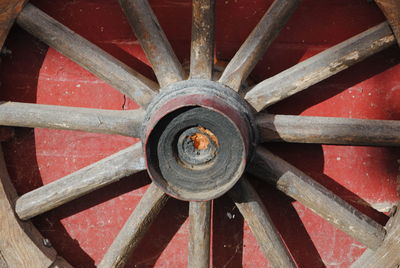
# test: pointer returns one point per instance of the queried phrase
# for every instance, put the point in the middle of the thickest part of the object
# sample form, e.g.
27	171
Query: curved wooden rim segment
21	244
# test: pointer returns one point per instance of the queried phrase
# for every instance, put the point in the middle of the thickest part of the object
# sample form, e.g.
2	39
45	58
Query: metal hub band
198	136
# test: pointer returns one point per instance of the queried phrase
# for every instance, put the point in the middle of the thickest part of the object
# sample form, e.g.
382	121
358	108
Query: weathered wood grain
202	45
316	197
127	123
21	244
9	10
260	223
152	38
257	43
328	130
81	182
391	9
88	55
320	66
135	227
386	256
199	234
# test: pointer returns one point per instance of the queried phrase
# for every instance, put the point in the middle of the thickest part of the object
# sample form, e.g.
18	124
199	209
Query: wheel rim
245	190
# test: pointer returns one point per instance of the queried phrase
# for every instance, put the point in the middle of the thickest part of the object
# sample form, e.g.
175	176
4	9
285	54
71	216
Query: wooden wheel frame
195	147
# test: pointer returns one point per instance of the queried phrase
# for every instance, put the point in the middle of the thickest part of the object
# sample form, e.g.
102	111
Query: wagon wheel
200	137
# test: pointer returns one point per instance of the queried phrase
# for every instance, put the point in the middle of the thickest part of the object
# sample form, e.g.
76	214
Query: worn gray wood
320	66
199	234
135	227
21	244
81	182
328	130
88	55
127	123
152	38
260	223
202	46
316	197
257	43
386	256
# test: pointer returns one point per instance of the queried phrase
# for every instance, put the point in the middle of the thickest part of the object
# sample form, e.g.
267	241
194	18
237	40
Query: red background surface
82	230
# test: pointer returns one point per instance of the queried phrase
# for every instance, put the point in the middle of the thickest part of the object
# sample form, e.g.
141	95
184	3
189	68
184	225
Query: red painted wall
82	230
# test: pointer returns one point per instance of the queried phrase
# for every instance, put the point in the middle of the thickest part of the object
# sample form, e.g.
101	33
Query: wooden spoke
86	54
320	67
21	244
9	10
328	130
260	223
202	51
323	202
257	43
153	41
135	227
388	254
81	182
127	123
199	236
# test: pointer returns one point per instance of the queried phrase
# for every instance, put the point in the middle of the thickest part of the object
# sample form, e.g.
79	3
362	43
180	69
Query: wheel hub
197	146
198	136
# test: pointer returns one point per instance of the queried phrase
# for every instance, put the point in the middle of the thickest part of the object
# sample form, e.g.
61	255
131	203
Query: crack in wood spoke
127	123
153	40
87	55
199	234
257	43
135	228
328	130
254	212
321	66
317	198
104	172
202	44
